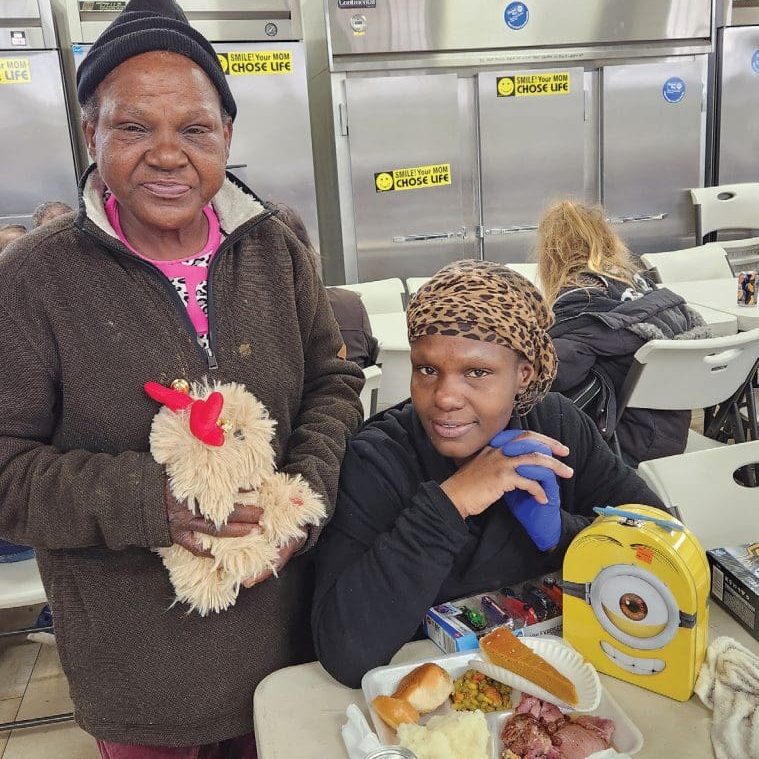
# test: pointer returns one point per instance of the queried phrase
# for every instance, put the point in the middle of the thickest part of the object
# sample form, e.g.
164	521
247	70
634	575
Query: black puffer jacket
597	331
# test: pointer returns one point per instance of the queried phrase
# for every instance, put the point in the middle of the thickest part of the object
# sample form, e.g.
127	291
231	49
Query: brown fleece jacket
83	324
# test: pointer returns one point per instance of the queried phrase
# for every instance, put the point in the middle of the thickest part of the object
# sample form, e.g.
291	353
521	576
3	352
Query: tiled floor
32	684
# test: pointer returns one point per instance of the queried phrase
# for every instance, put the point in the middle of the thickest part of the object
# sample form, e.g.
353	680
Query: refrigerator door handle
511	230
431	236
638	217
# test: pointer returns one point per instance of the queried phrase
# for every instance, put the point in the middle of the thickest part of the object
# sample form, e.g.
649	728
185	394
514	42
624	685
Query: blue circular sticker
673	89
755	61
516	15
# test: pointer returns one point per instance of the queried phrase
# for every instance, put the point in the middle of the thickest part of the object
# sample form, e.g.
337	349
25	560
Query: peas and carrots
473	690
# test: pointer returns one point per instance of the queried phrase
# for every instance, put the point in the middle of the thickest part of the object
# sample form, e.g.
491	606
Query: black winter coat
597	331
397	545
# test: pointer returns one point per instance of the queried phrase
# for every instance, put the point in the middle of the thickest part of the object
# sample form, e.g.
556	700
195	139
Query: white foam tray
383	681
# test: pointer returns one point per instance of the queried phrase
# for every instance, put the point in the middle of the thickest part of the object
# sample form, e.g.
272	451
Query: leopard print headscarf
487	301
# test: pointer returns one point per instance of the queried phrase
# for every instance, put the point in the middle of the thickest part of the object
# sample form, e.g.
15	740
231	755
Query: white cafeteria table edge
720	295
299	710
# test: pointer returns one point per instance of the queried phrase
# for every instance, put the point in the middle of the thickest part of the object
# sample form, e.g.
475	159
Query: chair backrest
372	381
686	374
20	584
382	296
528	271
414	283
718	510
702	262
728	206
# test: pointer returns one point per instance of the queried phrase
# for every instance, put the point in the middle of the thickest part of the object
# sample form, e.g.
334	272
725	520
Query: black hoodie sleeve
601	477
381	560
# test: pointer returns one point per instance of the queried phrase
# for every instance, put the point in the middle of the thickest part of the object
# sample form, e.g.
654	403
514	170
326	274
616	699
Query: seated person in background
604	311
49	210
360	346
9	233
458	491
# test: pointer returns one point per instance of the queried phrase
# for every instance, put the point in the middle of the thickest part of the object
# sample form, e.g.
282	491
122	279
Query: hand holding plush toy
215	443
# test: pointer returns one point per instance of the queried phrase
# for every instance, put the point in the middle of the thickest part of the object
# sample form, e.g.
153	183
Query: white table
721	323
299	710
720	295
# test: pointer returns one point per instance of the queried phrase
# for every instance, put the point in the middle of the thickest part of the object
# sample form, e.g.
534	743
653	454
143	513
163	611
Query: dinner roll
425	687
394	711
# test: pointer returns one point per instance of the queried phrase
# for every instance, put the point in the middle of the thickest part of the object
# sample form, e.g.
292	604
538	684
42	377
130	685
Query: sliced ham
538	730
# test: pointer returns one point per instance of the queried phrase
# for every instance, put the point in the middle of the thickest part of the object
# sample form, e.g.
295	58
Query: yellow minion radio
636	584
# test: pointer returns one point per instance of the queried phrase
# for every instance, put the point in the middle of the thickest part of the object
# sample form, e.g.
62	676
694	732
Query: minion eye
634	606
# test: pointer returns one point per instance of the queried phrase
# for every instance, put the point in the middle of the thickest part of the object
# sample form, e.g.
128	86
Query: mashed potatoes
458	735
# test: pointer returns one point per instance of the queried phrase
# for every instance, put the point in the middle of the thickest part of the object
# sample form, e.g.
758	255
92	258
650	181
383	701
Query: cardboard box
458	625
735	583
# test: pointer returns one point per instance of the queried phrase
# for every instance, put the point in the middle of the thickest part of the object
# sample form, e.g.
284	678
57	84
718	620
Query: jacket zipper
210	355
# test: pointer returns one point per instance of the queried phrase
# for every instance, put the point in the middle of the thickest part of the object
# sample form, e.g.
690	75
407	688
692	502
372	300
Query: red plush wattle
167	396
204	417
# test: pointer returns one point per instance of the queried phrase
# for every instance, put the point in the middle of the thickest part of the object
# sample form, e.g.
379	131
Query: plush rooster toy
215	442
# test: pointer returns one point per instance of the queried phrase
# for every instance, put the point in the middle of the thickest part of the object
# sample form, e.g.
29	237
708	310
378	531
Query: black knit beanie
142	27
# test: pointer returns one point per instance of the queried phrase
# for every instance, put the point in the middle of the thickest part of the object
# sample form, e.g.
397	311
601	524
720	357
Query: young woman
458	491
605	310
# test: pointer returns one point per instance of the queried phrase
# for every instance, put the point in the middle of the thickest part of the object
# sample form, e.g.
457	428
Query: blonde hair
574	239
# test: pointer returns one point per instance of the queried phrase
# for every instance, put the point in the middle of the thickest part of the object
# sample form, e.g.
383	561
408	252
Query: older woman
456	492
170	271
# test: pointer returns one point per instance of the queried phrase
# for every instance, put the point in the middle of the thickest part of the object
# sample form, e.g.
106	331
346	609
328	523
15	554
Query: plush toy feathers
216	442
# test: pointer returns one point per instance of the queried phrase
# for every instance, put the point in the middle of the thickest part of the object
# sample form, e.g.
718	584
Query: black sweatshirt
397	545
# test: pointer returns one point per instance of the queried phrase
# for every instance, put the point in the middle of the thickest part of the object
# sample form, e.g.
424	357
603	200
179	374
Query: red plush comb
204	417
167	396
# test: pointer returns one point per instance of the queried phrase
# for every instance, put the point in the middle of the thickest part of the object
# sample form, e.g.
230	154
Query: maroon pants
243	747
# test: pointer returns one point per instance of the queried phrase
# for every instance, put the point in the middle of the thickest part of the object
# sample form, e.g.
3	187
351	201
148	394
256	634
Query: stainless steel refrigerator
737	97
271	146
36	151
509	106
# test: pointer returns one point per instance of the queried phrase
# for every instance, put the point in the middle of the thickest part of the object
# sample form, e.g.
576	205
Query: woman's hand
541	521
183	524
484	480
516	436
285	554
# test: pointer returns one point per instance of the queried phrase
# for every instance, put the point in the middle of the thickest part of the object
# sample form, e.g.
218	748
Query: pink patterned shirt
188	275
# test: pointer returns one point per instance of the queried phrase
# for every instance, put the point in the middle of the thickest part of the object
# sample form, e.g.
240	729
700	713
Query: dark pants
243	747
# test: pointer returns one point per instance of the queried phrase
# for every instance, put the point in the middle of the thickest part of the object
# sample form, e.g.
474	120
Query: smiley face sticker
383	181
505	86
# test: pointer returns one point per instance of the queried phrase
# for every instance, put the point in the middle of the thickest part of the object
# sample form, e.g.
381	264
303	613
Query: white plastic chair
528	271
718	510
414	283
372	382
702	262
681	375
729	206
382	296
21	585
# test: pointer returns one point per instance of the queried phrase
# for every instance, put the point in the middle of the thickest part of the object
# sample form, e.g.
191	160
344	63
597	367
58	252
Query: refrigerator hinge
479	232
342	115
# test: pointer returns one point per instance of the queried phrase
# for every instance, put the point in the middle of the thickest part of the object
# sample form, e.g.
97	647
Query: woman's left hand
285	554
510	436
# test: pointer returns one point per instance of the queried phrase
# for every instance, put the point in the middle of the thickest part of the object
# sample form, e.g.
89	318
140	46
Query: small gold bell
180	385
